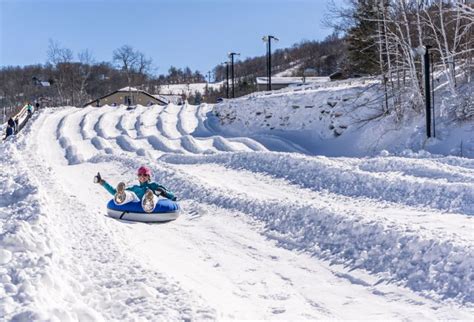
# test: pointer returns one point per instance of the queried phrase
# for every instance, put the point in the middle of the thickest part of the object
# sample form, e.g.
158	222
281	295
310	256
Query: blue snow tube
165	210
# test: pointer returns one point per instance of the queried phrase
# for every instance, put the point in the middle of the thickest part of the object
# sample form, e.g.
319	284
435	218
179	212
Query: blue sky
194	33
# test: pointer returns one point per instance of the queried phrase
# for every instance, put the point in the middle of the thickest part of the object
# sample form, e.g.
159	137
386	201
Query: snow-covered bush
465	108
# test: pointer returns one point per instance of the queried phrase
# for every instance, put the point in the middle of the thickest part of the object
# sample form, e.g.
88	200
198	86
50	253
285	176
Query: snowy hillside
265	232
189	89
345	118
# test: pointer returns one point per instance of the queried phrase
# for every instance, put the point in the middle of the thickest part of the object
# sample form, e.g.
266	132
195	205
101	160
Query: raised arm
98	179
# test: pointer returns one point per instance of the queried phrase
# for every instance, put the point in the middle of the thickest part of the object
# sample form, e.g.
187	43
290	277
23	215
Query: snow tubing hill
165	210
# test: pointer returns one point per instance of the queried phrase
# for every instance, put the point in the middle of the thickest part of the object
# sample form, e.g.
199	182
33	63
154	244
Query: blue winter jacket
140	190
10	131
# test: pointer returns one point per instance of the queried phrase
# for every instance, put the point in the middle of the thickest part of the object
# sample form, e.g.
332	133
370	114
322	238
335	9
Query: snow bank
343	118
188	89
31	278
415	187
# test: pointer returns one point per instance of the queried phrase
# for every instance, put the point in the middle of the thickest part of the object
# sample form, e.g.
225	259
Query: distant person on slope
10	131
12	123
147	191
30	108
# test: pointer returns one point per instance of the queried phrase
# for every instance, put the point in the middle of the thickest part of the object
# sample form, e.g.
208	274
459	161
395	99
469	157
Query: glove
98	179
162	192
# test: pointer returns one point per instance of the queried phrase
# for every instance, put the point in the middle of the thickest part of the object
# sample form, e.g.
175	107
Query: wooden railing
8	111
20	118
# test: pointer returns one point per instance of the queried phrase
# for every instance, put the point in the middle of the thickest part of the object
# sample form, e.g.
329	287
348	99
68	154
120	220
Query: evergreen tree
197	98
361	39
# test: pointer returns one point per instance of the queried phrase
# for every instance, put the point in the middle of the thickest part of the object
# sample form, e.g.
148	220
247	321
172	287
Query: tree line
68	79
324	56
76	79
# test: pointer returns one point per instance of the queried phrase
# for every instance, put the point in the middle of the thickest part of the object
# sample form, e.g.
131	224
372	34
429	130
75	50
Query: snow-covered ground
345	118
266	232
189	89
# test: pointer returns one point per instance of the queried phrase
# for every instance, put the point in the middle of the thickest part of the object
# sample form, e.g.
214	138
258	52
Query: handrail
20	118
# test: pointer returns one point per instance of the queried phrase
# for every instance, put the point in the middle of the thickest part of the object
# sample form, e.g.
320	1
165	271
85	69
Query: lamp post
231	56
423	51
268	40
432	94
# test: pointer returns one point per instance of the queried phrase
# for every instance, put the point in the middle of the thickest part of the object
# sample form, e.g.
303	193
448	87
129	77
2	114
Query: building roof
161	98
127	90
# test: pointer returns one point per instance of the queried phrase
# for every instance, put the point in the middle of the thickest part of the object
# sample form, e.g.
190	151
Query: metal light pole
432	94
268	40
423	51
231	56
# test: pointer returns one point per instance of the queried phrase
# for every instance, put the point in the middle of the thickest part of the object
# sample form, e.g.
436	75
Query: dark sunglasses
143	175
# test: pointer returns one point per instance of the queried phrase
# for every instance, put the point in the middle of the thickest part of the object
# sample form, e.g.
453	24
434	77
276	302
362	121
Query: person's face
143	177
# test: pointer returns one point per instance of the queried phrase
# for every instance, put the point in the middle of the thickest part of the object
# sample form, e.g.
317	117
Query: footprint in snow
278	310
194	214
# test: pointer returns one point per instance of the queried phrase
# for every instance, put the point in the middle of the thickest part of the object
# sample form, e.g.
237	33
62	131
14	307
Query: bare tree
450	24
144	64
85	68
57	54
133	62
403	27
125	57
61	58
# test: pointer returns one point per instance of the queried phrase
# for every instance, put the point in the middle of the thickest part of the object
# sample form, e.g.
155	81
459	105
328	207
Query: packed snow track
262	234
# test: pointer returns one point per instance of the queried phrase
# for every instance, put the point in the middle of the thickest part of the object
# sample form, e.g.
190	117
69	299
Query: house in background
41	83
128	96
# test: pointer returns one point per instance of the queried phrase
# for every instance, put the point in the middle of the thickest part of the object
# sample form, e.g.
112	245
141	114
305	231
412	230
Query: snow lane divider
337	176
71	153
424	168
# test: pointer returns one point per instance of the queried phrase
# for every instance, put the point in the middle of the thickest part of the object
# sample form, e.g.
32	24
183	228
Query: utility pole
209	76
268	40
231	56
